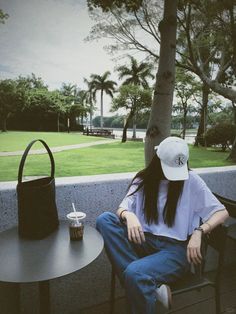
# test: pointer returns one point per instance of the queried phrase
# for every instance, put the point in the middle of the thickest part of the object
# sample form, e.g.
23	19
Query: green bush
222	134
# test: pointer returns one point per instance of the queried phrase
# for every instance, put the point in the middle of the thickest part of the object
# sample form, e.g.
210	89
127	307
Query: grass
208	157
106	158
101	159
14	141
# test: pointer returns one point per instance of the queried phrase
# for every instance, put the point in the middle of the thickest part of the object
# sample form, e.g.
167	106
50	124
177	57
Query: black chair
196	280
229	204
230	223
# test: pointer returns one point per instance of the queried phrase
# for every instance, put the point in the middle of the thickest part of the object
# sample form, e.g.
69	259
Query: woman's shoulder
195	179
136	181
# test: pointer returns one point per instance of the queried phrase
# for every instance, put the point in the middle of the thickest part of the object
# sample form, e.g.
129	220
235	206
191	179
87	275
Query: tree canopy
3	16
136	73
204	27
130	5
134	99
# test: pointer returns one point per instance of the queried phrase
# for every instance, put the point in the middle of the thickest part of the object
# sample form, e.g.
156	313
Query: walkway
57	149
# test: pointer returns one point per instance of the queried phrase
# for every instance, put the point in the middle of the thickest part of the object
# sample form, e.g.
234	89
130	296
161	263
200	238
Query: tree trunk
184	124
91	118
58	122
232	155
4	116
101	108
134	127
4	123
203	118
234	111
124	134
159	123
68	125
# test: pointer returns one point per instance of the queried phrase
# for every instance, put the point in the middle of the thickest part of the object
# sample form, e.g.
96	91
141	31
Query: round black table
25	261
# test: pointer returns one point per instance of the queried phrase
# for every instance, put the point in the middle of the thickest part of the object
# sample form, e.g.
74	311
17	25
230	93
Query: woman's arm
134	228
194	244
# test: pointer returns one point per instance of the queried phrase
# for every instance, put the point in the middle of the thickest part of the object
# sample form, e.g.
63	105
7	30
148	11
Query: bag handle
22	162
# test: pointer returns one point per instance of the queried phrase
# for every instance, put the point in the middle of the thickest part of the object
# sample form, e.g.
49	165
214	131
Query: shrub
222	134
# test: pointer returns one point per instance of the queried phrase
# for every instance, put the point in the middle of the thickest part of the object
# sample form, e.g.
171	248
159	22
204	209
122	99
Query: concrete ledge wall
93	195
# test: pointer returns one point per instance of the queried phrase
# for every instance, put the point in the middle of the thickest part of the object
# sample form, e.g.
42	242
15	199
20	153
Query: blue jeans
141	268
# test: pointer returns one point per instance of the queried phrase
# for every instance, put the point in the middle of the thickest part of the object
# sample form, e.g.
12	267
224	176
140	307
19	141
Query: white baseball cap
173	153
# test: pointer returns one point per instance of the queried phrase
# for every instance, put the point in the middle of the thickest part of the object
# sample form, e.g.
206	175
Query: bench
99	132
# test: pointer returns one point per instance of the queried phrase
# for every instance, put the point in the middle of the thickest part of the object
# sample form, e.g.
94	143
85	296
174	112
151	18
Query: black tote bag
37	209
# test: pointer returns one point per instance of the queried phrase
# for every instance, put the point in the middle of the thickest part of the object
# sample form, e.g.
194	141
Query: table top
23	260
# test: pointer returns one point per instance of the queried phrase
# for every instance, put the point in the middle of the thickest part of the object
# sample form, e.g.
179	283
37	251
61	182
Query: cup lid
76	215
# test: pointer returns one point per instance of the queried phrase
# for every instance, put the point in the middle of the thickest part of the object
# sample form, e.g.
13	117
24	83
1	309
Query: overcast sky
46	37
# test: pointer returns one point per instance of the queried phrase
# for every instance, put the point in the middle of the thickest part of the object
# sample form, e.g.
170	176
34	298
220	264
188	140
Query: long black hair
149	179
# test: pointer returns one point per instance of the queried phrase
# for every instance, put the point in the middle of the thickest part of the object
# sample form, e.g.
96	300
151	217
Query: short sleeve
129	201
206	204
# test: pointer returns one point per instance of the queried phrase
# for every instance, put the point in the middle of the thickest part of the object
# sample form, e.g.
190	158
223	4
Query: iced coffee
76	225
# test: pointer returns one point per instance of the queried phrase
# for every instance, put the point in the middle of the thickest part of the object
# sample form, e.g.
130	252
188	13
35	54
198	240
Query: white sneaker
164	296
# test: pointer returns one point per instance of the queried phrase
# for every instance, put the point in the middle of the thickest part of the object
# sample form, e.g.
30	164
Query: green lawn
101	159
13	141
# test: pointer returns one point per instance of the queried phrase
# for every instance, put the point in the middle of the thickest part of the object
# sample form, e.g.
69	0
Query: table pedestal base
44	297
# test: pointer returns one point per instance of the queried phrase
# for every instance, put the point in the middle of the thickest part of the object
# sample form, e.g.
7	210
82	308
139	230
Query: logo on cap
180	160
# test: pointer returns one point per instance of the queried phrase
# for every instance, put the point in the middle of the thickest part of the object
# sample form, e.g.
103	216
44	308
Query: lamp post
68	125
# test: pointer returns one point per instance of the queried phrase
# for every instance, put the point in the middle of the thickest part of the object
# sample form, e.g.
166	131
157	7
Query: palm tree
74	104
69	91
136	74
89	98
103	84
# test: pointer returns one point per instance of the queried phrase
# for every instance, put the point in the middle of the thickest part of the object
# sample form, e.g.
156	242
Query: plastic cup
76	225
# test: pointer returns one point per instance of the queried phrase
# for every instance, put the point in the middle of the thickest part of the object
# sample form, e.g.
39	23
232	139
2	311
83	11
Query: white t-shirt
196	202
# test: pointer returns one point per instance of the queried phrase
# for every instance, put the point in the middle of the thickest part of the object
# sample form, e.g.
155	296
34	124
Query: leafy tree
206	40
38	100
73	104
160	117
3	16
39	103
81	106
224	113
129	28
221	134
209	37
56	105
185	88
206	46
177	121
97	121
104	85
117	121
134	99
30	82
136	74
9	101
130	5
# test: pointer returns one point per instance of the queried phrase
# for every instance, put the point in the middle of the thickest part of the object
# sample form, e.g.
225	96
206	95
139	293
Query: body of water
140	134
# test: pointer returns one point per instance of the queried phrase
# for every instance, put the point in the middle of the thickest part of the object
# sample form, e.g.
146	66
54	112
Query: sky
46	37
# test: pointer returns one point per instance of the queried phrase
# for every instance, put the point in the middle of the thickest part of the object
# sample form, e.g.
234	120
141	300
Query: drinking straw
77	220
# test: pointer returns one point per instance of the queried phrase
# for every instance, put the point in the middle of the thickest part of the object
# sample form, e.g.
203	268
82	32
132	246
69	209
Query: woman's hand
194	248
135	231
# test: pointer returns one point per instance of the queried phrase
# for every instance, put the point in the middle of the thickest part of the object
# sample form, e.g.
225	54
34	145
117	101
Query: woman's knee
131	275
135	277
104	219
